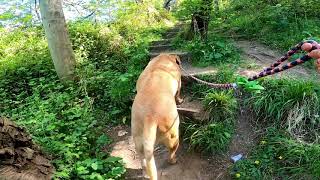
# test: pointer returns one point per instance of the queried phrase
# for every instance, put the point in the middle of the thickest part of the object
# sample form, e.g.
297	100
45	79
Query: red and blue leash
273	69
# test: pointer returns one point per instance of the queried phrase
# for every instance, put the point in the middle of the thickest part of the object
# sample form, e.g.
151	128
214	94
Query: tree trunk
200	20
58	39
166	5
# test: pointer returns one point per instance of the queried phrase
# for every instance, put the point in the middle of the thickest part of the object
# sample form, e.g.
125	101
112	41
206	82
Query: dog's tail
150	136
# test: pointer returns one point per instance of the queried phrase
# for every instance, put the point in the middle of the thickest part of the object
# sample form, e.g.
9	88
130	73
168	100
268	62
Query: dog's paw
179	100
172	161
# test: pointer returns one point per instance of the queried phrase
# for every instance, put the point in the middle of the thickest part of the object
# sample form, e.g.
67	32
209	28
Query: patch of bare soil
262	56
192	70
20	158
190	165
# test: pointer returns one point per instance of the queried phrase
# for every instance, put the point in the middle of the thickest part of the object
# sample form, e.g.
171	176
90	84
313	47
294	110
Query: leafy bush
189	7
211	137
220	105
111	56
60	119
216	50
215	134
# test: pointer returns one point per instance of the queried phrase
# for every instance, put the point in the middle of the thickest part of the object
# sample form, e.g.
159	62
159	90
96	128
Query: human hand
314	53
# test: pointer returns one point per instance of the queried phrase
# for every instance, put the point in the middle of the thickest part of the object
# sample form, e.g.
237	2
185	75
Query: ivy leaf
94	166
217	55
113	159
82	170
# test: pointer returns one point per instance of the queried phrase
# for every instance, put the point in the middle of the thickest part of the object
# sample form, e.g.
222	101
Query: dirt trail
262	56
192	165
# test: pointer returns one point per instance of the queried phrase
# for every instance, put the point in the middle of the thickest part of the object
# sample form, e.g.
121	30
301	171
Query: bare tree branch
36	10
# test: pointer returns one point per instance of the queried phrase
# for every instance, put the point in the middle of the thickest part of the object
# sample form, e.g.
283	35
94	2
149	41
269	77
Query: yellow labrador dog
154	111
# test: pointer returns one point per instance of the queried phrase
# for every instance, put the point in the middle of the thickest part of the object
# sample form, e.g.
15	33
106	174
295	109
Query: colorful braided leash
273	69
213	85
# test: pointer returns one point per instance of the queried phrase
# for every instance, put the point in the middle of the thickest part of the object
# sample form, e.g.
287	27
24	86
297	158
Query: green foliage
290	104
111	56
278	156
278	23
214	135
16	14
154	16
190	7
216	50
99	169
220	105
60	119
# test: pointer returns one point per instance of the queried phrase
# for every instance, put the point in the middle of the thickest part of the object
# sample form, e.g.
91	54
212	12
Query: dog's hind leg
173	149
138	141
172	142
177	97
149	135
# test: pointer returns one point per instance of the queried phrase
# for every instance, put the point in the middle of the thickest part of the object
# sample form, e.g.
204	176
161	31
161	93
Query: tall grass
290	104
213	135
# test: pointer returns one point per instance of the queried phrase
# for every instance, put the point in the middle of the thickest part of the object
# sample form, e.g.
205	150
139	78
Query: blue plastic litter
236	158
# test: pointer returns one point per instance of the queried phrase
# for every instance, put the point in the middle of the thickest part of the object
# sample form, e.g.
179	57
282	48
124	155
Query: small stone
122	133
164	173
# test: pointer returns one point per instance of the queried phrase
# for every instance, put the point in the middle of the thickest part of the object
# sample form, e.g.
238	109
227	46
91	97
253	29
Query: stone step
184	56
171	34
193	109
174	30
188	112
162	42
162	47
196	71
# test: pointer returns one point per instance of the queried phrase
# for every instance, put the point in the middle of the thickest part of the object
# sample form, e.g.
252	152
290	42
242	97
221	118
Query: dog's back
154	111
